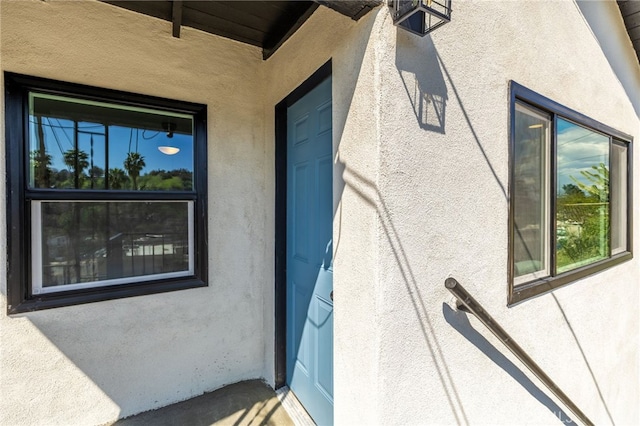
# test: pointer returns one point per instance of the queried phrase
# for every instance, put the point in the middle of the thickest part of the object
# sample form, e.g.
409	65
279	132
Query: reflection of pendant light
167	149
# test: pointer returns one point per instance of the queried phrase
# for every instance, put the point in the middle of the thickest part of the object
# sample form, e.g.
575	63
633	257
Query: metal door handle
331	295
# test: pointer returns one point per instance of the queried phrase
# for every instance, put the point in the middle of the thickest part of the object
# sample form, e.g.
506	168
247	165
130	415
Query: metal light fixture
167	149
420	16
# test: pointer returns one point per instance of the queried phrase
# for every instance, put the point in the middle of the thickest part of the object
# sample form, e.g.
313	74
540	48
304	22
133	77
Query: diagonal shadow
584	357
476	138
369	192
460	322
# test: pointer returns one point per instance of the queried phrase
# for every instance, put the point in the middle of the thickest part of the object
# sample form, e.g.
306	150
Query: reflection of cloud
578	149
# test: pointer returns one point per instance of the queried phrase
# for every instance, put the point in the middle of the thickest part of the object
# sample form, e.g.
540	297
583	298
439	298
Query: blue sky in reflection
58	136
578	149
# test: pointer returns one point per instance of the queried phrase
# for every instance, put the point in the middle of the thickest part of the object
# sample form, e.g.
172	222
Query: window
570	186
106	194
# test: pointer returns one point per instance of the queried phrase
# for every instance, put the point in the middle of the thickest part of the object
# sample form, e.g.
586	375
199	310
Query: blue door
309	253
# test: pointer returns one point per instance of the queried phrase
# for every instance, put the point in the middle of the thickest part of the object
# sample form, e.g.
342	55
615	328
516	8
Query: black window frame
522	292
19	295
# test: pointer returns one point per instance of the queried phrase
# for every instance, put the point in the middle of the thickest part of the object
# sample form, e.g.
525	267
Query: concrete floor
245	403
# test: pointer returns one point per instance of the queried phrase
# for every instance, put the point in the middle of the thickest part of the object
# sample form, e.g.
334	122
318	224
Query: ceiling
266	24
630	10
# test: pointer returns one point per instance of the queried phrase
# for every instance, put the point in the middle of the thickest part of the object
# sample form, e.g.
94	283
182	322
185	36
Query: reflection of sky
58	136
579	149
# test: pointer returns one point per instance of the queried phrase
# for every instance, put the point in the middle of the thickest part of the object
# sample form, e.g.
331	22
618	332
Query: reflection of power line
578	138
64	131
55	136
562	163
62	126
150	137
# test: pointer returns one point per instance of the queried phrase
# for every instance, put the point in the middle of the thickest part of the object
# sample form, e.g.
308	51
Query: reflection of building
418	190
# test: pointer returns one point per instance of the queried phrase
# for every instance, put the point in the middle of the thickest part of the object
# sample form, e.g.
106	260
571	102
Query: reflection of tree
583	218
95	175
599	180
98	240
171	180
77	161
133	164
117	178
41	168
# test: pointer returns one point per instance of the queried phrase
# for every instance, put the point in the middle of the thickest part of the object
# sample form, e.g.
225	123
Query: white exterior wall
416	200
356	102
444	212
93	363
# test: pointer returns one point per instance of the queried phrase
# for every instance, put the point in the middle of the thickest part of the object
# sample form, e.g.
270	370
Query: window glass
103	188
530	188
582	196
86	244
618	182
80	144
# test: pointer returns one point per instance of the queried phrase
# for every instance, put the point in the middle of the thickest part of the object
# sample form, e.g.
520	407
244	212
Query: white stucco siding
444	186
353	54
420	194
116	358
93	363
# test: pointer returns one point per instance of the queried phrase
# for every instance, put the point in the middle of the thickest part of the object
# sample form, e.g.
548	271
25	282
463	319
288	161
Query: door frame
281	218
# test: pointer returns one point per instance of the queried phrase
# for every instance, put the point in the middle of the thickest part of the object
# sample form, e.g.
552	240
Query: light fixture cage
420	16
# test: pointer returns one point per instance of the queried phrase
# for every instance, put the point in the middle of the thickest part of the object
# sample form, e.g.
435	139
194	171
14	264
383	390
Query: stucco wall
93	363
437	365
356	102
419	195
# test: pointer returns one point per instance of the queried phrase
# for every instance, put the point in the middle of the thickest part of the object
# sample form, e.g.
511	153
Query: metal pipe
476	309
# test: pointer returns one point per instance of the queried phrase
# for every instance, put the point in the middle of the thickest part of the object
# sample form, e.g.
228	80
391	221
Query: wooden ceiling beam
176	17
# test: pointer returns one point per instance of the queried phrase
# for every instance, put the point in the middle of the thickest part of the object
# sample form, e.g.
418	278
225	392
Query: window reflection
79	144
530	189
618	185
582	219
87	242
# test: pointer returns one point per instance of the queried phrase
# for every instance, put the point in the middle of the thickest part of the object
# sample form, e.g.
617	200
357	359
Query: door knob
331	295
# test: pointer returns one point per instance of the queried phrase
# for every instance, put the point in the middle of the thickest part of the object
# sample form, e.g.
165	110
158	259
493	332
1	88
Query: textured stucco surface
94	363
440	366
419	195
355	138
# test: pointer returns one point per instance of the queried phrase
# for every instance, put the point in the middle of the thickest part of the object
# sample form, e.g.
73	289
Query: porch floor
245	403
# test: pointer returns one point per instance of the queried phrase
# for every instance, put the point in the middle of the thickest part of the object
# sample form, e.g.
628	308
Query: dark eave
355	9
630	10
262	23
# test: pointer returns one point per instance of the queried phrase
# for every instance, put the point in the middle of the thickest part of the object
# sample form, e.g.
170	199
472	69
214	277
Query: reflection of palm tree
117	177
597	182
41	168
77	161
134	163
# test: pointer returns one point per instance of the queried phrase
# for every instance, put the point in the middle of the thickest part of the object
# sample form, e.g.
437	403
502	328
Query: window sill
77	297
523	292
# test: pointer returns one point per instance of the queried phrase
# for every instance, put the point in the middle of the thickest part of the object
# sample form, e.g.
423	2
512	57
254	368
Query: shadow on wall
150	351
423	75
584	357
460	322
419	69
369	193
